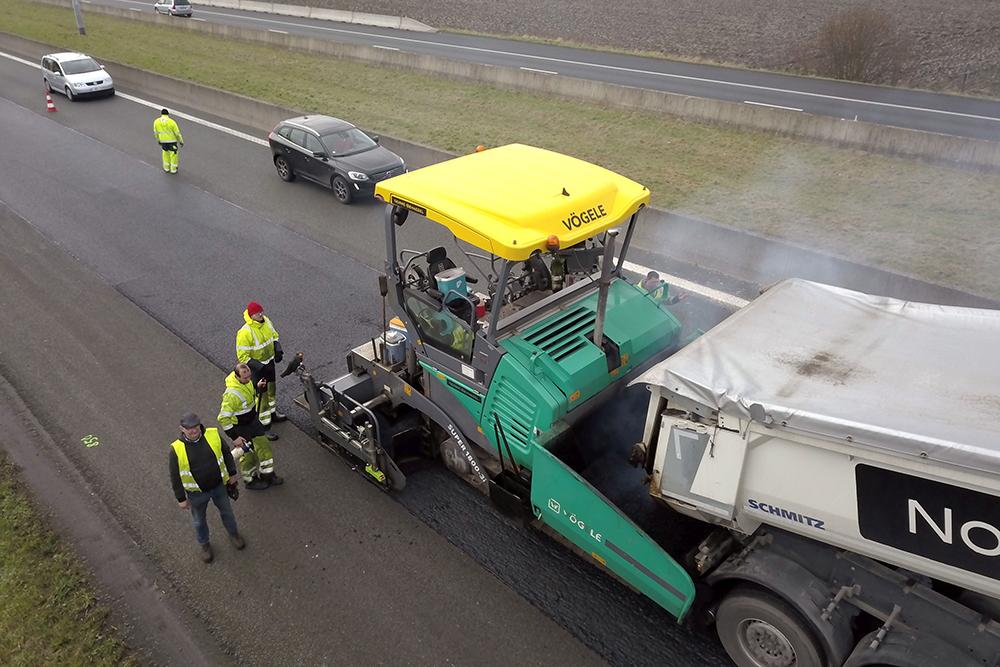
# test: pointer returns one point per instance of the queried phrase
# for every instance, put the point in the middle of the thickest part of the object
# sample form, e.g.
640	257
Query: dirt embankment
954	45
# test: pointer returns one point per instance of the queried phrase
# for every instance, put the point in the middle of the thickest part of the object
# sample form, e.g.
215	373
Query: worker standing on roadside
239	418
169	137
202	470
257	340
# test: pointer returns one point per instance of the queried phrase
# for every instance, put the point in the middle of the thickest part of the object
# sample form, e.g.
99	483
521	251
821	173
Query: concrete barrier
743	254
927	146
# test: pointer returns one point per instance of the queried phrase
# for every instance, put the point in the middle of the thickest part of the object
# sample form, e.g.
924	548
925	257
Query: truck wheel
757	629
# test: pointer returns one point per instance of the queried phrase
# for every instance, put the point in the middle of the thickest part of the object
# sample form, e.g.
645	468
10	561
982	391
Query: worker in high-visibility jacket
202	471
257	340
168	135
239	418
657	289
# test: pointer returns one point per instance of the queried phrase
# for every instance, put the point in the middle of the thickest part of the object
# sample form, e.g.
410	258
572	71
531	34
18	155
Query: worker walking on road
239	418
257	340
202	470
169	137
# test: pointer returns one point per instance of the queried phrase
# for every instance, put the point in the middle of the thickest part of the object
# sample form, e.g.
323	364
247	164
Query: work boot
278	416
272	479
257	484
206	552
237	540
271	436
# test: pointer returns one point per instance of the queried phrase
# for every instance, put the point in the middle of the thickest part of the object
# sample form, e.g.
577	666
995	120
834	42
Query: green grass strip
935	222
48	613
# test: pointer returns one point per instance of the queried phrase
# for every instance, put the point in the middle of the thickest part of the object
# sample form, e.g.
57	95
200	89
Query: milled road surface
126	321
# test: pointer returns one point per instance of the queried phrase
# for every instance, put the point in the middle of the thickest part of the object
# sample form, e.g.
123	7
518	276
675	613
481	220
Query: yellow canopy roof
509	200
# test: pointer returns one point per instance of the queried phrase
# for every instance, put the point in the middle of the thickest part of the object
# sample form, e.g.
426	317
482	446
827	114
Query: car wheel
48	88
342	190
69	94
758	629
284	169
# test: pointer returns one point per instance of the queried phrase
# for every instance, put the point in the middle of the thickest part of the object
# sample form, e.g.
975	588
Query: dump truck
514	328
847	448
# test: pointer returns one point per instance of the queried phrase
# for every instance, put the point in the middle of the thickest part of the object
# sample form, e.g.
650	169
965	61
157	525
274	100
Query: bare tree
861	44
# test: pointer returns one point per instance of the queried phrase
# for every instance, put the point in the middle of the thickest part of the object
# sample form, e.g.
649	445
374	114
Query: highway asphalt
123	288
913	109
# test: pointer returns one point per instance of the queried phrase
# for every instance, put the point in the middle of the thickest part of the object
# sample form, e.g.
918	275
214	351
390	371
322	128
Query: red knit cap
253	308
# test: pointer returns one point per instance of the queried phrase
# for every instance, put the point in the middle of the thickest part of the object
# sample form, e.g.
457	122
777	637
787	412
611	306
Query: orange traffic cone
50	106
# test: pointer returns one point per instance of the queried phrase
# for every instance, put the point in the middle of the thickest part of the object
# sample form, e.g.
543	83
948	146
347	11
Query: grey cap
190	420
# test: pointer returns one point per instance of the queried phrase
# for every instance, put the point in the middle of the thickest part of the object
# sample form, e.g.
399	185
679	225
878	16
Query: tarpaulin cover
906	377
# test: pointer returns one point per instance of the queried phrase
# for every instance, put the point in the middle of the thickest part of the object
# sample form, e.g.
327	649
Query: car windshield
80	66
348	142
181	3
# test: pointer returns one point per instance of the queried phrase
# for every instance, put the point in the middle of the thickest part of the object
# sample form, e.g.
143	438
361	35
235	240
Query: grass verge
49	615
935	222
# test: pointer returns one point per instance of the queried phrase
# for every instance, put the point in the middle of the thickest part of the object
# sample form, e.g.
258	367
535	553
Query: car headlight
358	175
79	85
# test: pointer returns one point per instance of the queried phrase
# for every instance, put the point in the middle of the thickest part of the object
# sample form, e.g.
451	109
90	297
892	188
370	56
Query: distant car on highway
76	76
173	7
334	153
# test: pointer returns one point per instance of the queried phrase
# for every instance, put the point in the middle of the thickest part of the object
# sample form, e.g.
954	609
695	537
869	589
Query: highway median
934	222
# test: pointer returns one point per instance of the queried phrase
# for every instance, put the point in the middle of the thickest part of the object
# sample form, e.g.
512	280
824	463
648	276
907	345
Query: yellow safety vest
238	399
255	340
166	130
184	466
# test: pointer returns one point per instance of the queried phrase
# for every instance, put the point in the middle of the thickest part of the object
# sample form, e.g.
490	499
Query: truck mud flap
564	501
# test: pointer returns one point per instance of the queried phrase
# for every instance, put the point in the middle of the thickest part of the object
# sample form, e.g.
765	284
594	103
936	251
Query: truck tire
758	629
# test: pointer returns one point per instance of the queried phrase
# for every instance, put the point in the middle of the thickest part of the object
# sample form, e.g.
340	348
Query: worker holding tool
202	470
169	137
239	418
257	340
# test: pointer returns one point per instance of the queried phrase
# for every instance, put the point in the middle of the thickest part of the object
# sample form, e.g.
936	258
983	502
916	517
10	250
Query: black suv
334	153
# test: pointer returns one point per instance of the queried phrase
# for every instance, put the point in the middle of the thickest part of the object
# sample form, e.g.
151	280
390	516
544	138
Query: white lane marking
384	48
677	281
772	106
134	9
280	32
615	68
196	120
194	18
540	71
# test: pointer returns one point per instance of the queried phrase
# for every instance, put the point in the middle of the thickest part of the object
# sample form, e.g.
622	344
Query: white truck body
863	422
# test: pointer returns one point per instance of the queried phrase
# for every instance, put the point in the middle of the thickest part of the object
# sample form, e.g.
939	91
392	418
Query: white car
173	7
75	75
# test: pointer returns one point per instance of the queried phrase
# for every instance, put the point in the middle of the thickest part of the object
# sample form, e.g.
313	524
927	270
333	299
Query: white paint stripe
676	281
384	48
197	19
134	9
772	106
20	60
280	32
707	292
195	119
615	68
540	71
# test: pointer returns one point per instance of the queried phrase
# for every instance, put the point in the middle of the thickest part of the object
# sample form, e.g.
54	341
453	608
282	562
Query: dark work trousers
199	505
